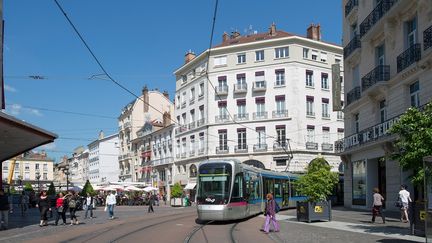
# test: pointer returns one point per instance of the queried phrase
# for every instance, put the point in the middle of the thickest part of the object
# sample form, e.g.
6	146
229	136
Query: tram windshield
214	184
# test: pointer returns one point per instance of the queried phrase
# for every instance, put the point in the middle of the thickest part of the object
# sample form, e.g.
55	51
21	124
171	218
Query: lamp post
66	172
38	176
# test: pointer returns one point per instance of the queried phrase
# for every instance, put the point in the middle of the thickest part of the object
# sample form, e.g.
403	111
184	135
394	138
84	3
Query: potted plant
317	184
176	195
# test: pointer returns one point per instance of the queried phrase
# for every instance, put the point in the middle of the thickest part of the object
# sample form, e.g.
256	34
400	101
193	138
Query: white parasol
150	188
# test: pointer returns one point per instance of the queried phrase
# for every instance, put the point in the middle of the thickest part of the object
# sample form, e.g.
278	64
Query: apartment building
149	107
388	56
266	94
78	166
103	159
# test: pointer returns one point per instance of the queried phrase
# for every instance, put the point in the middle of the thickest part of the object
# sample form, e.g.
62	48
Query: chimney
225	37
314	32
145	98
190	55
101	135
235	34
272	29
166	119
165	93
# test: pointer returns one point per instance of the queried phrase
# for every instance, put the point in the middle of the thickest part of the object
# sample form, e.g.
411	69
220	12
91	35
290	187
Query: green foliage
318	183
177	190
12	190
28	187
88	188
51	189
414	130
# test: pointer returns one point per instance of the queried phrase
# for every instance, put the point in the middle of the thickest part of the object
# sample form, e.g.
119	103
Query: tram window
268	186
277	188
294	192
237	193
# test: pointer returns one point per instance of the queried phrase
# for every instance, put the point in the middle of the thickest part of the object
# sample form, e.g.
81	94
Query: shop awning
190	186
17	137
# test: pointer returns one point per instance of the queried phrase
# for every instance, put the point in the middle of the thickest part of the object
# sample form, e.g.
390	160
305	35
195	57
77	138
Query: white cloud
9	88
17	109
50	146
14	109
35	112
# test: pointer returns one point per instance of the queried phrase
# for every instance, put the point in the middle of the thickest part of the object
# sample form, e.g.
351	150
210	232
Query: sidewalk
354	221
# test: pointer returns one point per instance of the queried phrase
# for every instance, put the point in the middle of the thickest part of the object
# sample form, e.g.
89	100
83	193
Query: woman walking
377	205
270	212
72	205
61	209
44	205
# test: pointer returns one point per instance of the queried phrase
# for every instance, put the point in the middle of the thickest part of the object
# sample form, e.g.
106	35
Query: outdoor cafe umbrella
113	188
132	188
150	188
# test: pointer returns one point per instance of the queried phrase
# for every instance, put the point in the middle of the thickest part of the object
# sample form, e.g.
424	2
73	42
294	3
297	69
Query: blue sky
139	43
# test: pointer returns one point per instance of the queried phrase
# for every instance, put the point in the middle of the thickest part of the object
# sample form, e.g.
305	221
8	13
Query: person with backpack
72	201
270	213
61	209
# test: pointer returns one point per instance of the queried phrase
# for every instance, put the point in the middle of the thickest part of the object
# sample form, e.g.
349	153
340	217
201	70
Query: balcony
259	86
192	101
338	146
241	148
350	6
200	122
353	95
260	115
353	45
183	104
240	88
127	125
181	129
408	57
222	150
222	90
327	147
201	151
379	74
201	96
192	153
277	146
183	155
427	38
241	117
311	146
379	11
280	114
222	119
192	125
260	147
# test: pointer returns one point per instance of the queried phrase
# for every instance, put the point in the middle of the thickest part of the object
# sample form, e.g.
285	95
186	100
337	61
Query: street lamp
38	176
66	172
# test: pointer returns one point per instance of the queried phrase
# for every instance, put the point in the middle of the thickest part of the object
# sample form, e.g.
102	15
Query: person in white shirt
111	201
405	199
89	205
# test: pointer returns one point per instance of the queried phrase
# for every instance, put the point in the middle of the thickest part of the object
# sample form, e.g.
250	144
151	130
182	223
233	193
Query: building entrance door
382	177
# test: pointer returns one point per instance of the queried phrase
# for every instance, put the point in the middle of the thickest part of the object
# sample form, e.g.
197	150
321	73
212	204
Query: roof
253	38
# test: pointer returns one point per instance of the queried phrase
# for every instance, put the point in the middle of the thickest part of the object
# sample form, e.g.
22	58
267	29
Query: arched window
255	163
193	171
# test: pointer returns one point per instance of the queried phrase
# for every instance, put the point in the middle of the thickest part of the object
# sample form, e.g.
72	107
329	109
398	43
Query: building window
414	94
314	55
340	115
183	148
45	176
184	79
201	112
260	80
192	94
192	115
178	148
280	104
325	108
241	108
383	110
201	90
310	106
27	166
45	167
324	81
241	138
261	137
338	60
37	166
323	57
260	104
305	53
280	77
281	135
310	136
192	143
222	83
411	27
380	55
259	55
281	162
326	135
309	78
201	141
220	61
241	79
356	122
183	119
281	52
27	176
340	133
223	113
241	58
223	140
359	183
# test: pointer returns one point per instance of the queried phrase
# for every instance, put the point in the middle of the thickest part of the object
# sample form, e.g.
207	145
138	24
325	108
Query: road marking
179	224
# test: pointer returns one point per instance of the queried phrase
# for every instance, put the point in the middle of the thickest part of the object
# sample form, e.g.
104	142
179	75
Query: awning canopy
190	186
17	137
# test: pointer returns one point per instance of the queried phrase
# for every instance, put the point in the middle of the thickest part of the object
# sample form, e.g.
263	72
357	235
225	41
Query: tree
88	188
177	190
414	131
51	189
28	187
318	183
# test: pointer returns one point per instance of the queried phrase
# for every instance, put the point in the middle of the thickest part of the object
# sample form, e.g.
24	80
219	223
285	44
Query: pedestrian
405	199
4	210
377	205
164	198
72	201
44	205
89	205
10	200
111	201
270	212
151	201
61	208
24	202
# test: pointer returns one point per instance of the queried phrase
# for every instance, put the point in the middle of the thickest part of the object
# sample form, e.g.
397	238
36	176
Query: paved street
170	224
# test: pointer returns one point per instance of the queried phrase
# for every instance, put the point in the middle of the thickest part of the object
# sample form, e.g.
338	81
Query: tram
229	190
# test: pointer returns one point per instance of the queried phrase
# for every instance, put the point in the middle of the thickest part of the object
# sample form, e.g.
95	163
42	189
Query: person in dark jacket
151	202
72	202
4	210
44	205
270	212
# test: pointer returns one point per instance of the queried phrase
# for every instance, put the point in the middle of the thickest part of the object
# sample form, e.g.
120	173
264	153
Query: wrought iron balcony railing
222	150
350	6
327	147
379	11
241	148
311	145
200	122
353	95
352	46
280	146
408	57
260	115
240	88
241	117
427	38
259	86
280	114
260	147
222	90
221	118
380	73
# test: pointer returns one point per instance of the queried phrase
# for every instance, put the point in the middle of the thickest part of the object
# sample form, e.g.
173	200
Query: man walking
111	201
4	210
89	205
404	197
151	202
